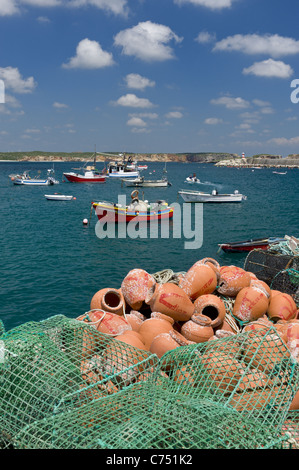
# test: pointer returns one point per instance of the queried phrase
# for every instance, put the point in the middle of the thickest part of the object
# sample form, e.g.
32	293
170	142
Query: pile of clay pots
158	317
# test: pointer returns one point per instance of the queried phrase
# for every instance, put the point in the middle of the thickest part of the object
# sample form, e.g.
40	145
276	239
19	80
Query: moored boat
143	183
249	245
214	196
59	197
138	210
86	174
26	180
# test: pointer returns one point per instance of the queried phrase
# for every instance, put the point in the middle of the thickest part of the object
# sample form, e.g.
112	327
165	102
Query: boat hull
74	178
249	245
32	182
125	174
58	197
116	214
203	197
146	184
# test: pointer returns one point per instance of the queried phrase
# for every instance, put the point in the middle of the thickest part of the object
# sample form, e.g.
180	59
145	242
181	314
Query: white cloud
145	115
269	68
32	131
137	122
174	115
8	7
285	141
231	103
212	4
89	55
131	100
118	7
43	19
213	121
134	80
12	106
205	37
42	3
14	81
273	45
147	41
58	105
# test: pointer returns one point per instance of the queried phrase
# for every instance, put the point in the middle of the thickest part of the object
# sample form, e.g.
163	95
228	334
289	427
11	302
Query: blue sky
150	76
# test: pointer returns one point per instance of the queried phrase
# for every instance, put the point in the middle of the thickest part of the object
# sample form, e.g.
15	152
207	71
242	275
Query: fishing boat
26	180
59	197
143	183
137	210
142	167
86	174
248	245
214	196
124	169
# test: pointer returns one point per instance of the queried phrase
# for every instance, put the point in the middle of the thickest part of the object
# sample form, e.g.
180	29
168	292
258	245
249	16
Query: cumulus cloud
89	55
273	45
14	81
147	41
205	37
8	7
212	4
131	100
136	121
134	80
42	3
269	68
58	105
118	7
285	141
174	115
231	103
213	121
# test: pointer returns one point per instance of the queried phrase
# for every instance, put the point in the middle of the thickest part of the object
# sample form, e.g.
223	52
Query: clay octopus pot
137	287
232	280
290	335
250	304
295	402
282	307
135	319
133	338
211	306
106	322
265	352
154	326
168	341
198	328
262	323
172	301
110	300
225	371
213	264
200	279
259	283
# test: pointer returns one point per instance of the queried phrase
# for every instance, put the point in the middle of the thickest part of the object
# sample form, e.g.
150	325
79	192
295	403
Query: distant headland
218	159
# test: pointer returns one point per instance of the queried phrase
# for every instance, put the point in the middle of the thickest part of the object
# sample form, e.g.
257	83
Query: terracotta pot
211	306
137	287
168	341
135	319
198	328
250	304
106	322
199	279
232	280
110	300
295	403
213	264
154	326
292	338
259	283
262	323
171	300
133	338
265	352
224	370
282	307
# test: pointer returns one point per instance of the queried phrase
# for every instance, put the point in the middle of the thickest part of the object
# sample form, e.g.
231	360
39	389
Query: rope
167	275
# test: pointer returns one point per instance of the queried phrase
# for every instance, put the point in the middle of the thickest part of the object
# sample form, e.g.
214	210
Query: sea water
51	263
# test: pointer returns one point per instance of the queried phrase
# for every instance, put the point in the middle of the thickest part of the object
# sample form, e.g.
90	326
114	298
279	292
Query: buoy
75	198
85	221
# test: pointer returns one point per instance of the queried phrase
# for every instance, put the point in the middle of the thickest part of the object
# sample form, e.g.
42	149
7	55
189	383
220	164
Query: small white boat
26	180
59	197
280	172
214	196
143	183
192	179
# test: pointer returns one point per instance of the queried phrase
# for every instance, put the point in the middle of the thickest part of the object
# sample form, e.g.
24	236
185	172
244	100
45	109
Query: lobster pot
267	264
287	281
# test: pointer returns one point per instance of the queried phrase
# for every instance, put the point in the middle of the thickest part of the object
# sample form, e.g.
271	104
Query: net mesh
64	385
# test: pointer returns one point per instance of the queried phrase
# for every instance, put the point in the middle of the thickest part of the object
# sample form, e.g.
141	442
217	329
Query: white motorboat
214	196
192	179
26	180
59	197
143	183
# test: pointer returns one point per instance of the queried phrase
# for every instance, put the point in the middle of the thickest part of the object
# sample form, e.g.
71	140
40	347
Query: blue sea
51	263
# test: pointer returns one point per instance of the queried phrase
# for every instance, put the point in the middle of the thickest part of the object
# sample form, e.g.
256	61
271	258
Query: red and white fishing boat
140	211
86	174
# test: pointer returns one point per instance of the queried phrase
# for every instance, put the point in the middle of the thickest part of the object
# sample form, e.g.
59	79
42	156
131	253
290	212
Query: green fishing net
64	385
